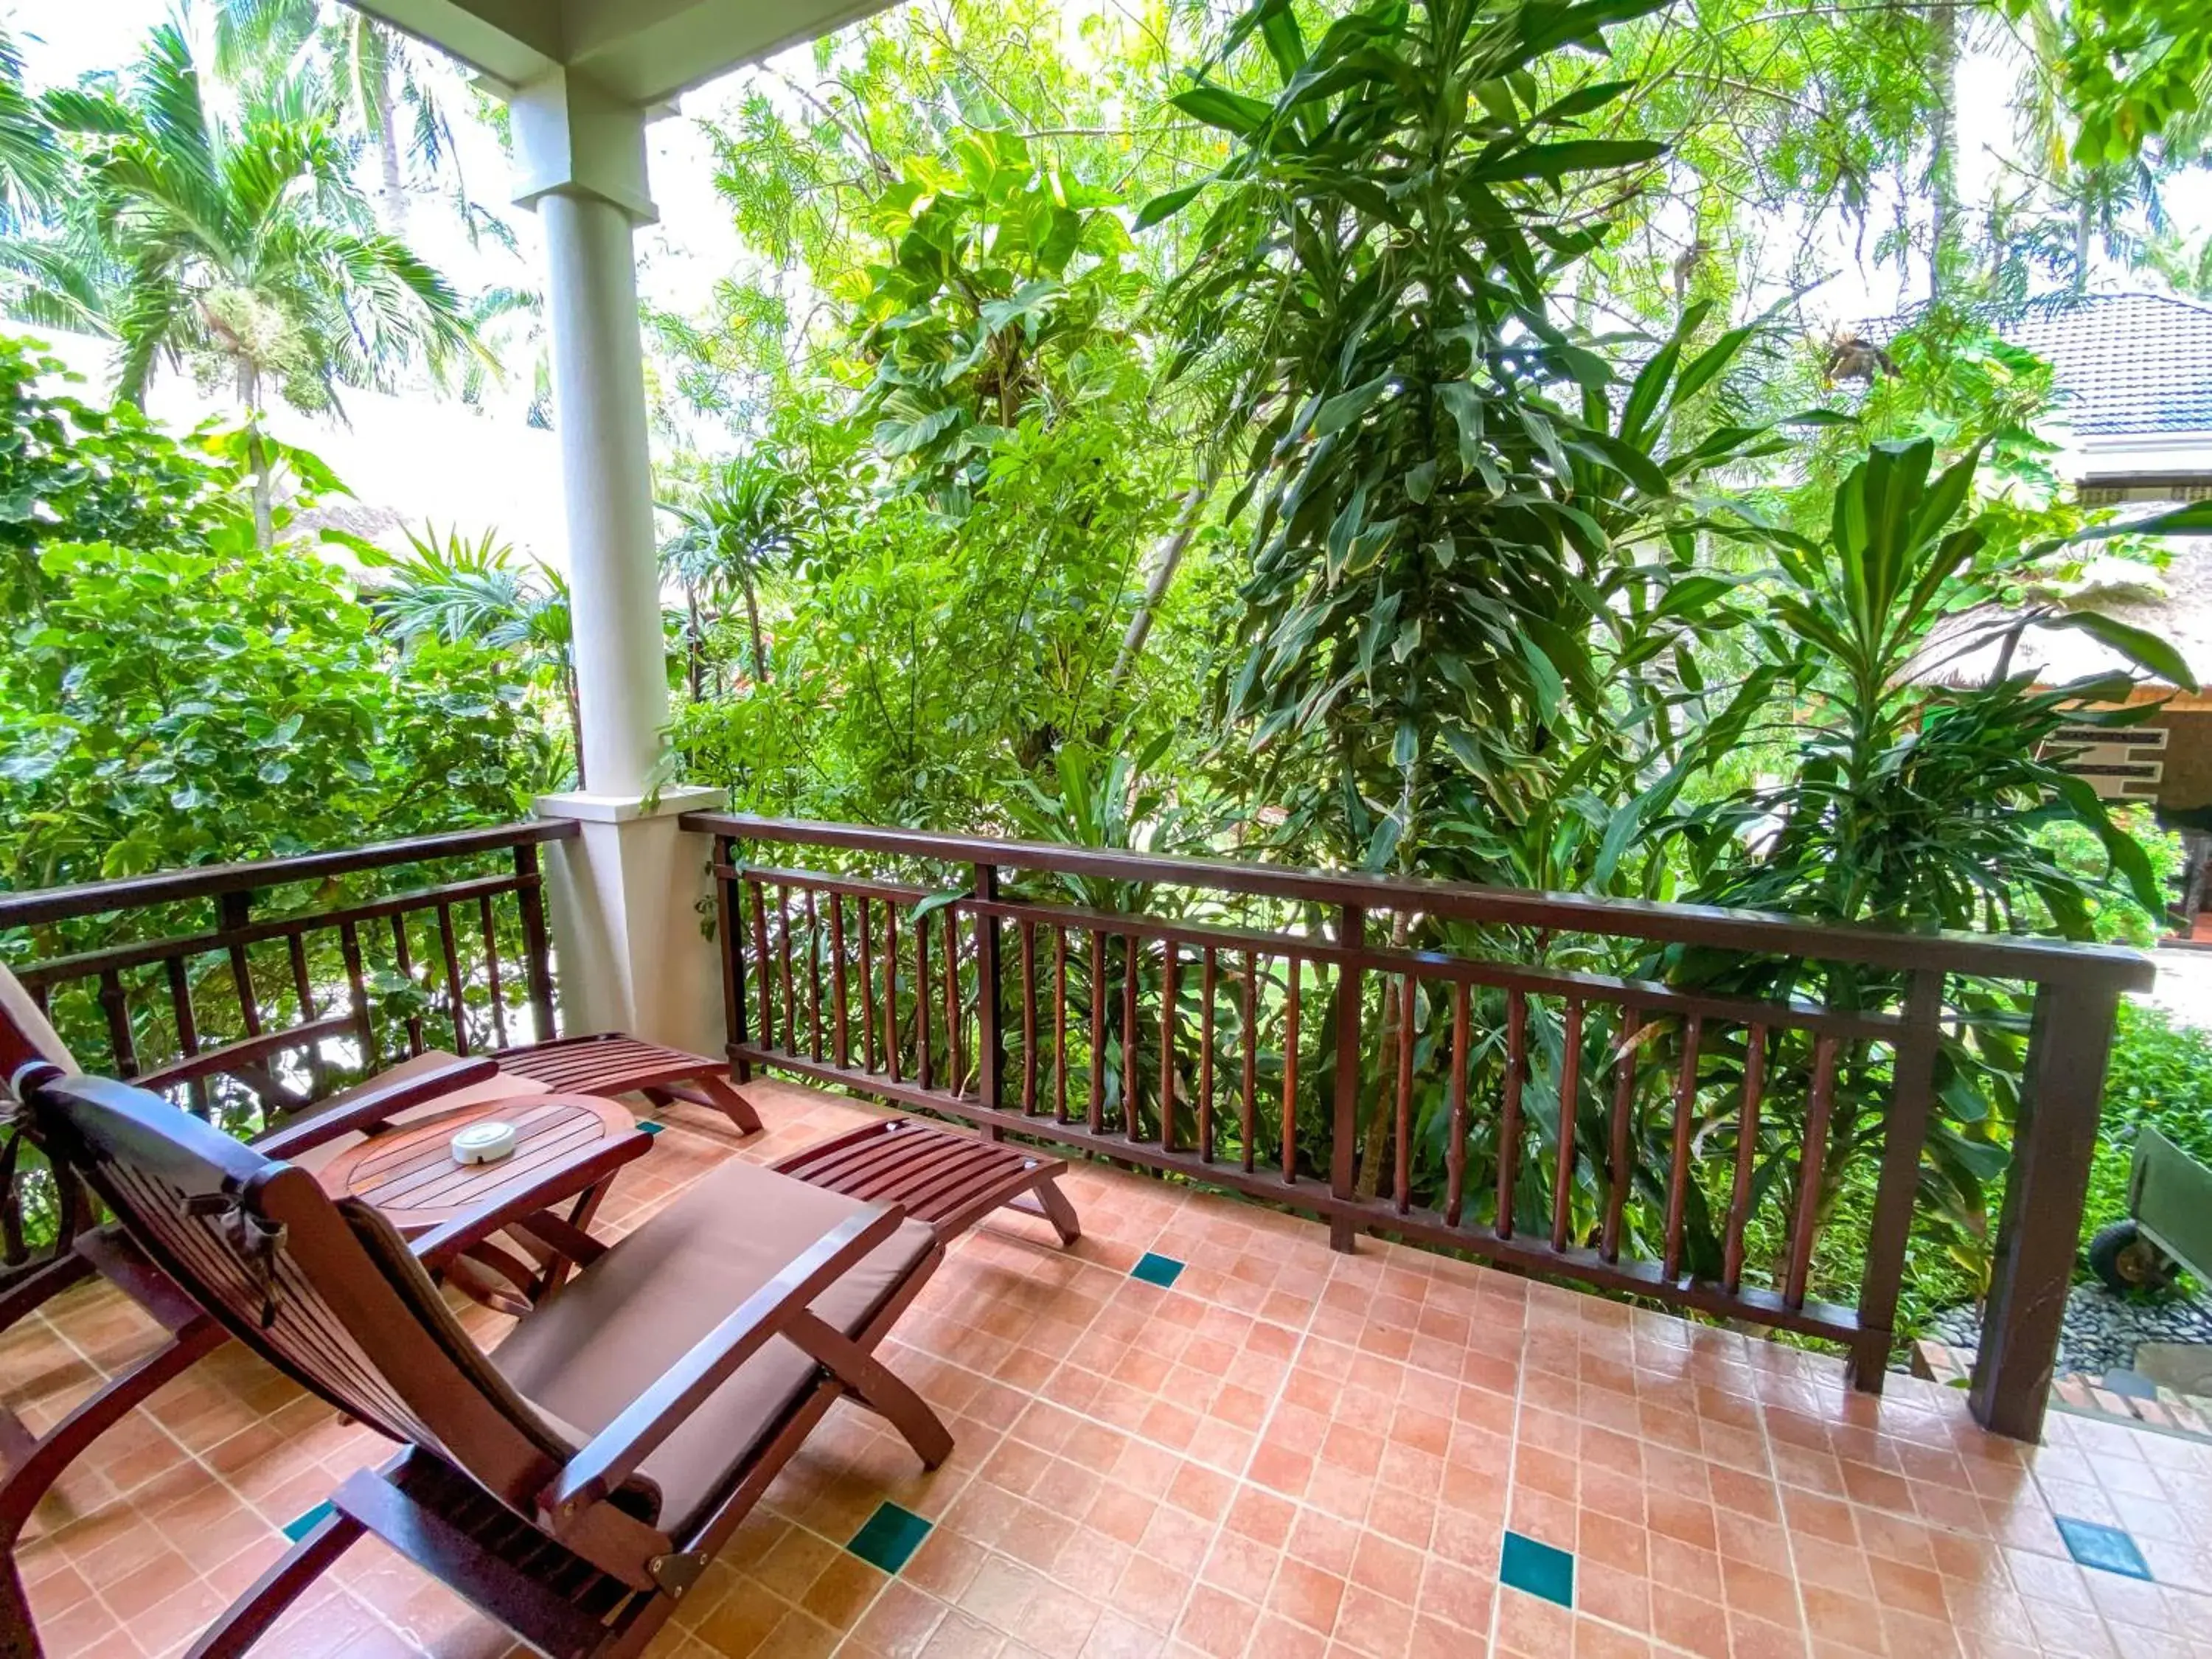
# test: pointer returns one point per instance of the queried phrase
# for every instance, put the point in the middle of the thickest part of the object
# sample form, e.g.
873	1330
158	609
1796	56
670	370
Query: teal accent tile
2104	1548
300	1525
1538	1569
1161	1270
890	1536
650	1127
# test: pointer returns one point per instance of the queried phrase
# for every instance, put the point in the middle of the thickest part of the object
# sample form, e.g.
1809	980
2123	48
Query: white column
581	159
624	895
598	412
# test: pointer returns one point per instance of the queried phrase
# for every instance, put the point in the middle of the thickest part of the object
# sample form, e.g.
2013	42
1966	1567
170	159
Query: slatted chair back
325	1291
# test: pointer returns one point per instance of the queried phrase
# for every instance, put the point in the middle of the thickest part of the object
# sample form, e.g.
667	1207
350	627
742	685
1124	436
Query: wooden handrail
47	904
1763	932
1650	1067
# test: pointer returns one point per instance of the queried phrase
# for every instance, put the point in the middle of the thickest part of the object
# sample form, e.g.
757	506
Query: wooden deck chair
29	1463
574	1482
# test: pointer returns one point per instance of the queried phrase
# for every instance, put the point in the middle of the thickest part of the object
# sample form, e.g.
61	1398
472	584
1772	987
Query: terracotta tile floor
1287	1452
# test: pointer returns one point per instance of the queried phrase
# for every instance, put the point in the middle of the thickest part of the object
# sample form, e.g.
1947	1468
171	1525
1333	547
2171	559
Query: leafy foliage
172	706
72	470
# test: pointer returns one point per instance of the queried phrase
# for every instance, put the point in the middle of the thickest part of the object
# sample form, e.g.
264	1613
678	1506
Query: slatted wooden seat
950	1181
611	1064
574	1483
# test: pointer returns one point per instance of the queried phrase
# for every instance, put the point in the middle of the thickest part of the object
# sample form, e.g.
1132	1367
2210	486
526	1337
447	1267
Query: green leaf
1169	203
2138	645
1218	106
1345	407
1557	160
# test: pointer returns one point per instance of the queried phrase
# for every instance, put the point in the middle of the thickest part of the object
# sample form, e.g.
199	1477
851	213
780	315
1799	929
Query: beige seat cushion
588	1351
18	1011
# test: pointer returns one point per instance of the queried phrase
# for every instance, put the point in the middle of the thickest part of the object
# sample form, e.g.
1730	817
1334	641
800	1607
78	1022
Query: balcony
1316	1379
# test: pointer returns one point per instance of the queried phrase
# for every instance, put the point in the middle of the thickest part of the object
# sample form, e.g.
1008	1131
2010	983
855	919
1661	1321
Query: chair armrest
613	1453
367	1104
562	1177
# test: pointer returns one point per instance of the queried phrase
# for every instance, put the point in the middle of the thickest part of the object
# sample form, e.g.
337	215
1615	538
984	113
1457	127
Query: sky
694	245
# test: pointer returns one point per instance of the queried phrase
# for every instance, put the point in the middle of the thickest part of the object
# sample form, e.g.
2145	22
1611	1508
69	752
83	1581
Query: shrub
169	707
2160	1075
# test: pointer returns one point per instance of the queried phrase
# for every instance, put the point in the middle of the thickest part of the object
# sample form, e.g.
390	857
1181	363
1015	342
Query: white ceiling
642	52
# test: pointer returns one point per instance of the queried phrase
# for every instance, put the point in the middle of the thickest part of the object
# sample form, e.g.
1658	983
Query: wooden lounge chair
430	1083
574	1482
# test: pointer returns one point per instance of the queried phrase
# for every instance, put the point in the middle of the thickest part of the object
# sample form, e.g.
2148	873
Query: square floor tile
1538	1568
889	1535
1161	1270
2104	1548
300	1525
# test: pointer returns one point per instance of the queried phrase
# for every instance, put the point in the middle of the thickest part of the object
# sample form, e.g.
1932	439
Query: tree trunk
575	718
1942	139
1375	1143
1167	559
696	641
258	459
387	154
753	621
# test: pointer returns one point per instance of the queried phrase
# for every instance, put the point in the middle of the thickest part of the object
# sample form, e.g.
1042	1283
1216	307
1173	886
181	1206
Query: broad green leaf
1168	204
1218	106
1557	160
2139	646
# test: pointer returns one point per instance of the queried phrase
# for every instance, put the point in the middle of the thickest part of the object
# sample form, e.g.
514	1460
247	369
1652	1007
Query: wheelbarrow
2169	1224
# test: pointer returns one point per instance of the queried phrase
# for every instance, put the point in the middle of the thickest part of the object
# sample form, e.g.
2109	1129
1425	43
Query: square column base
625	903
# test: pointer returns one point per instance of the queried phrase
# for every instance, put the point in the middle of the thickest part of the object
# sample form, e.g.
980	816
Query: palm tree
454	589
376	80
242	246
33	166
737	525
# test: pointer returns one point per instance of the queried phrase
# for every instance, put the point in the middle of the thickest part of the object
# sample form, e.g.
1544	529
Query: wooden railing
247	991
1393	1055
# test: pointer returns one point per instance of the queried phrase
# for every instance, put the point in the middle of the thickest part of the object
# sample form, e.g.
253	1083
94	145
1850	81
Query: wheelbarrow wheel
2126	1260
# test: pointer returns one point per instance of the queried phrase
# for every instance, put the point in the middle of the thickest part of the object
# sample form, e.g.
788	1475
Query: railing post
730	926
1905	1134
990	1029
537	952
1351	935
2053	1140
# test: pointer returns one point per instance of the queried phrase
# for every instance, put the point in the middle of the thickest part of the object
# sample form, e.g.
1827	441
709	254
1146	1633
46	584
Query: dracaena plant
1471	601
1928	769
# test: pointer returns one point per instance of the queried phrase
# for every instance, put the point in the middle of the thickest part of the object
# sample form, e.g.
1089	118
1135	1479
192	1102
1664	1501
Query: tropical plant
1926	778
241	245
33	166
1452	515
997	303
453	589
376	80
738	526
170	707
72	470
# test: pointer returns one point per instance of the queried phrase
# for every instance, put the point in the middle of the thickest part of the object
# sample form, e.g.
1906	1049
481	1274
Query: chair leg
724	1097
19	1637
248	1619
34	1465
1046	1200
875	1386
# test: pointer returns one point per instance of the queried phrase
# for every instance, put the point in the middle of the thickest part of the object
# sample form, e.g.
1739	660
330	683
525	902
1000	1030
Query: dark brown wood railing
247	991
1256	1029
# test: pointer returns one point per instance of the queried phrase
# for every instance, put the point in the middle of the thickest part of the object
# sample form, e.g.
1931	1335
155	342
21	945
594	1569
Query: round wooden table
566	1147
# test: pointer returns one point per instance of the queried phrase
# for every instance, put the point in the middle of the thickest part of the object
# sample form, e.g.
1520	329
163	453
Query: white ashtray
484	1143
